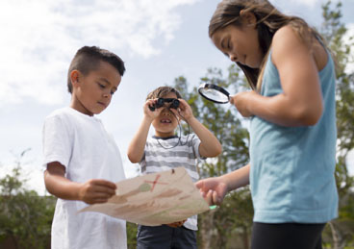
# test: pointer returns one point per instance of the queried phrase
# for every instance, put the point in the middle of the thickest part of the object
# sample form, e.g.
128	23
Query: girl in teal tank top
293	124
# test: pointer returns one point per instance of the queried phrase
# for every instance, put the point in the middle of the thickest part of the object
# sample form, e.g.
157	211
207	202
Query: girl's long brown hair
269	20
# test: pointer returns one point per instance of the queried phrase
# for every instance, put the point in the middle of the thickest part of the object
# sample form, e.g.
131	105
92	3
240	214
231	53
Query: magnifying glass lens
214	95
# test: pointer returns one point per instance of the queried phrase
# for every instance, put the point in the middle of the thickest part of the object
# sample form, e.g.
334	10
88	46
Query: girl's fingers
199	184
202	193
231	100
217	200
209	197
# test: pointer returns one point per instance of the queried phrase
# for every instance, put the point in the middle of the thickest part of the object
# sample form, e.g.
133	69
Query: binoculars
174	103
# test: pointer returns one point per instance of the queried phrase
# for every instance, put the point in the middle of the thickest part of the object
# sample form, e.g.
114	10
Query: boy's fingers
98	195
176	224
106	194
105	183
100	200
104	190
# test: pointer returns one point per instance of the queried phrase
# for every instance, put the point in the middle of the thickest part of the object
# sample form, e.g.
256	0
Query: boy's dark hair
87	59
162	91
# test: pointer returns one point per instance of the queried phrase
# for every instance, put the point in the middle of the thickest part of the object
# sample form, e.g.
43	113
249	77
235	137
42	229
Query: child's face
240	44
166	123
93	93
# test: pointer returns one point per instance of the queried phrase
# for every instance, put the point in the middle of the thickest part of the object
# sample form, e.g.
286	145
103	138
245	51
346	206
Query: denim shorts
165	237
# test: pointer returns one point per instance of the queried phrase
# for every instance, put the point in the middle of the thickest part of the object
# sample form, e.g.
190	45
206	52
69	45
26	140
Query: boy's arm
209	144
137	145
91	192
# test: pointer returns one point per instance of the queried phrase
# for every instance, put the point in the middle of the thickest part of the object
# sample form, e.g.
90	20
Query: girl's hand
212	189
243	101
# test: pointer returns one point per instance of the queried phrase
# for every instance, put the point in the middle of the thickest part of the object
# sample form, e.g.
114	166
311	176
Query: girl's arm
238	178
214	189
301	101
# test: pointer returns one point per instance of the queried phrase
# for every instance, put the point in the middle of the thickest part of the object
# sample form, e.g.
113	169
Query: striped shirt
163	154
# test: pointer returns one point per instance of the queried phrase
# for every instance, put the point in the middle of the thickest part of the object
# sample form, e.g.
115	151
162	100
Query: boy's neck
165	137
71	107
78	106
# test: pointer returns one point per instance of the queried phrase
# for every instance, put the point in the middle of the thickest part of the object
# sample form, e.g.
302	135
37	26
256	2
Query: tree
334	31
25	217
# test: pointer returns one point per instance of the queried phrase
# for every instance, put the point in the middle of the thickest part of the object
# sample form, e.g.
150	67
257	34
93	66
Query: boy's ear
74	77
248	17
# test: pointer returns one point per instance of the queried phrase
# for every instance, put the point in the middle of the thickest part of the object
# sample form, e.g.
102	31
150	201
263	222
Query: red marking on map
155	182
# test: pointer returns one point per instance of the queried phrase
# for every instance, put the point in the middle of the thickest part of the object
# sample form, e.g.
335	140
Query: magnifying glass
214	93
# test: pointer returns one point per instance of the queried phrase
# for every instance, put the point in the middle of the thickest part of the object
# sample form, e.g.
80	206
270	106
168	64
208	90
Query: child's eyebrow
108	83
105	80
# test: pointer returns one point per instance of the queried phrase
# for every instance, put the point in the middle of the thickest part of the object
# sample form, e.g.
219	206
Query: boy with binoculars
164	108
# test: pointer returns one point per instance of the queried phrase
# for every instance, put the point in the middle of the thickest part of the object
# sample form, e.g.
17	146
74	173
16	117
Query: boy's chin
165	133
96	112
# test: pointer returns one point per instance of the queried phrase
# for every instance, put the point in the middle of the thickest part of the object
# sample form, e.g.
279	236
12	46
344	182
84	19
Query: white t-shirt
82	145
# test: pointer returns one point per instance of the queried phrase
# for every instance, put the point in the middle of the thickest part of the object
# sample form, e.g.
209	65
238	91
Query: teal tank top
292	168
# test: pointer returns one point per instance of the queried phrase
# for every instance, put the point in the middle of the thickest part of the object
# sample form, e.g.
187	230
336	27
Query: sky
158	40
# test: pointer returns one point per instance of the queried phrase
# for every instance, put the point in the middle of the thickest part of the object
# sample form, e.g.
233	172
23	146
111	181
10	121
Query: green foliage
234	219
132	229
25	217
334	31
342	229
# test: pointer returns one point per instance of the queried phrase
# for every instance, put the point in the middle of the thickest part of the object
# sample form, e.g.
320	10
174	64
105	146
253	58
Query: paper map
154	199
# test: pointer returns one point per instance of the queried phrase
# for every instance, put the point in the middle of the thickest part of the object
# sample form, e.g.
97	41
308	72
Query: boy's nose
166	108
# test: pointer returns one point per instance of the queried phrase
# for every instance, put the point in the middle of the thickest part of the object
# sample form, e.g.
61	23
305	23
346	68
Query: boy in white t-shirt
82	161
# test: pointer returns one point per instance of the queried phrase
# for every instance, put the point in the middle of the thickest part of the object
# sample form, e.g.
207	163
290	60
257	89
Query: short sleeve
195	142
57	141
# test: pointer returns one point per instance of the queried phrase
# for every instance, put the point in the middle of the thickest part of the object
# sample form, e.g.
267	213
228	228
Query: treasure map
154	199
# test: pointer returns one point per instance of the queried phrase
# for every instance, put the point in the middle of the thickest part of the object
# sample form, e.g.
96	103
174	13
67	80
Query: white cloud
39	38
309	3
349	39
350	163
285	4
